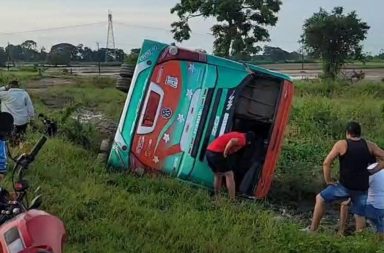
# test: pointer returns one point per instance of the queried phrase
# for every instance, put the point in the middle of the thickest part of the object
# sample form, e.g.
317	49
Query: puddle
302	212
103	124
86	116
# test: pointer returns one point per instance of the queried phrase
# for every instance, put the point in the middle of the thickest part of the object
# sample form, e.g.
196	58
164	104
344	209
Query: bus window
151	110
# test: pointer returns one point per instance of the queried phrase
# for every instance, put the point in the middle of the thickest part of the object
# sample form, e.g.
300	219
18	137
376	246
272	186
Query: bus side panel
218	120
274	148
195	116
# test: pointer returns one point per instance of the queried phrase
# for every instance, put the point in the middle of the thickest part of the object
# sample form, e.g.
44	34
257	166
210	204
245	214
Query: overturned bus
180	100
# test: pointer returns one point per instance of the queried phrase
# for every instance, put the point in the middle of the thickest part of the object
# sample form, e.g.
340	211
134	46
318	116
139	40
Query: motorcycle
24	228
50	126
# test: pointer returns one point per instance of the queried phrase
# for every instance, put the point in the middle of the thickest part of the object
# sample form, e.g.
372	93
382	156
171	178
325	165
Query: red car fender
39	231
38	249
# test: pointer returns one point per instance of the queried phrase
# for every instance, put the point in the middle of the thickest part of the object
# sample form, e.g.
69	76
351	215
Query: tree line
333	37
59	54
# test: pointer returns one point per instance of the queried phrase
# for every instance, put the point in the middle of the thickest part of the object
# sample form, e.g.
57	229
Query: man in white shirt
375	203
17	102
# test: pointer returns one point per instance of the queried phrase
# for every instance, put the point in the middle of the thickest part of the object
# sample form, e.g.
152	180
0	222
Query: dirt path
48	82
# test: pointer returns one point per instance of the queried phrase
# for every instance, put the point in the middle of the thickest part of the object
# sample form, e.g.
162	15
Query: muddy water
106	126
302	211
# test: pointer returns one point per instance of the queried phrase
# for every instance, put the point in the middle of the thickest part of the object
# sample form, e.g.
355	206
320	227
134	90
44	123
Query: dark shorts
18	134
376	216
21	129
339	192
218	163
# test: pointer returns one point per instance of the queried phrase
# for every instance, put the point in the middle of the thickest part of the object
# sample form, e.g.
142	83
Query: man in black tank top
354	154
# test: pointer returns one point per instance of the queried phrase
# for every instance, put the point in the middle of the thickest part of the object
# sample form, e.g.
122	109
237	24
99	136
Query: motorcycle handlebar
37	148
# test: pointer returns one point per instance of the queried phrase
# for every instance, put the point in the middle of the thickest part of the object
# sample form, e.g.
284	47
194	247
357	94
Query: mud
103	124
38	88
302	211
48	82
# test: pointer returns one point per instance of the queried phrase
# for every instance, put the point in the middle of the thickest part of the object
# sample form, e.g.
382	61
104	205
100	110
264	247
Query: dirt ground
40	89
44	83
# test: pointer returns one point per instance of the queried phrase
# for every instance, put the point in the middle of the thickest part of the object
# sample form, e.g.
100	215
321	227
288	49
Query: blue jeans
340	192
376	216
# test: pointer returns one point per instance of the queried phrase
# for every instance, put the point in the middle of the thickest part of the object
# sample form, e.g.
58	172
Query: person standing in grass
17	102
374	210
344	211
220	158
354	154
6	126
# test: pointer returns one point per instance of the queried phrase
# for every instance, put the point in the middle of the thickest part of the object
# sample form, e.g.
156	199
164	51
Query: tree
29	51
133	56
276	54
61	54
15	52
3	57
240	23
88	55
335	38
29	44
381	55
43	54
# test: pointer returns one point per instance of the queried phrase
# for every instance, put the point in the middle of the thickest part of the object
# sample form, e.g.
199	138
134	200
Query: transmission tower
110	50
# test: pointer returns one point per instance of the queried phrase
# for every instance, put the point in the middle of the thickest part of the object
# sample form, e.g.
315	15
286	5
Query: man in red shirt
220	160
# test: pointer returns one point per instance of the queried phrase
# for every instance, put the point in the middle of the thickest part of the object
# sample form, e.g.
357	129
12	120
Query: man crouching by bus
221	161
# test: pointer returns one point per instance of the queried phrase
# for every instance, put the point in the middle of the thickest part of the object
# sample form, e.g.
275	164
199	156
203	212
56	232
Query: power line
158	28
53	28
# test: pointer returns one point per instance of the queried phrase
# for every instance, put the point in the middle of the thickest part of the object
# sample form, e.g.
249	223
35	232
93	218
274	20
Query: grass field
317	66
117	212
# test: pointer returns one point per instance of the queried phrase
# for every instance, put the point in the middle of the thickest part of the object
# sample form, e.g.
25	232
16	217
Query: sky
85	22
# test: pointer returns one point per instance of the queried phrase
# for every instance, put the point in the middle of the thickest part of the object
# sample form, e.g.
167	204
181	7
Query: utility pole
8	57
302	57
98	56
110	40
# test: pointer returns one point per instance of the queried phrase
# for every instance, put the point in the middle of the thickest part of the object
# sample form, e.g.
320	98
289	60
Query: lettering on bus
215	125
140	145
224	124
172	81
230	101
198	118
147	54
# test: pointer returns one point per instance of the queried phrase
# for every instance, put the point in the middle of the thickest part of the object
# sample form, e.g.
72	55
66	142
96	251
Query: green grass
367	65
118	212
21	76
